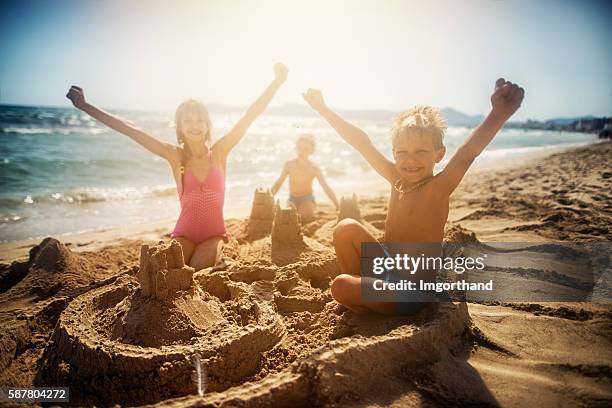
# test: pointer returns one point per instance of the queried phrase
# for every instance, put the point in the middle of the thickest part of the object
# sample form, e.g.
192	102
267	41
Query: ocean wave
11	218
19	119
89	195
52	130
26	130
35	167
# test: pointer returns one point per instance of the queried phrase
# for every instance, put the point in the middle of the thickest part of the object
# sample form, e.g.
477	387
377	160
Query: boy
419	202
302	172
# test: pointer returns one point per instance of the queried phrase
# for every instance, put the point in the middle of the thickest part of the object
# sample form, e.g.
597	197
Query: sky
362	54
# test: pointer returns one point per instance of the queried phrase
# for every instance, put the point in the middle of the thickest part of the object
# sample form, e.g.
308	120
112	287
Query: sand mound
374	222
51	269
260	221
286	245
456	234
346	370
349	208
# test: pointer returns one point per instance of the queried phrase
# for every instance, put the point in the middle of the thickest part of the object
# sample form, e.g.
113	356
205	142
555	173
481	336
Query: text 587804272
34	394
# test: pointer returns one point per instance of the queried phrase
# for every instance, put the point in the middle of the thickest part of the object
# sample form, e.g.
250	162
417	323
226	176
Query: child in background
419	201
302	172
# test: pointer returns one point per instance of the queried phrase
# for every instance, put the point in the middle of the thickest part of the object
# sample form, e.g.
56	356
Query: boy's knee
346	228
340	288
306	213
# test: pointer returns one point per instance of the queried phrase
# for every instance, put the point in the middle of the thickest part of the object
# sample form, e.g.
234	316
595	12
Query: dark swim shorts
409	302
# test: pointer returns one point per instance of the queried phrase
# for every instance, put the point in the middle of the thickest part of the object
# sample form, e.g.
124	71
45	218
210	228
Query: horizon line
237	108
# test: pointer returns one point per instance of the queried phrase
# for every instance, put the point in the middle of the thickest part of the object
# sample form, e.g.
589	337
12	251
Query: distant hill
456	118
567	121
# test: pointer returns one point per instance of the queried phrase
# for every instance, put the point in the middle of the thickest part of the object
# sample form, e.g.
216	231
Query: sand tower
163	271
262	214
349	208
286	226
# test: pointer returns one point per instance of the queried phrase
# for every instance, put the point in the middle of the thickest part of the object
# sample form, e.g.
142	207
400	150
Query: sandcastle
262	214
349	208
163	271
274	236
286	226
133	341
265	323
260	325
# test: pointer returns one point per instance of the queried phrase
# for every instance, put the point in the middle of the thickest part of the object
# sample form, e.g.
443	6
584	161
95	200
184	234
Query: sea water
63	172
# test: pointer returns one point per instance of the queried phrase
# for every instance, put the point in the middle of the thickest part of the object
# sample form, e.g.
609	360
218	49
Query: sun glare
223	53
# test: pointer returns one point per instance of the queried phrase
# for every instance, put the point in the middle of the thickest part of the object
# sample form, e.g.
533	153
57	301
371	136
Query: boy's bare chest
302	172
415	217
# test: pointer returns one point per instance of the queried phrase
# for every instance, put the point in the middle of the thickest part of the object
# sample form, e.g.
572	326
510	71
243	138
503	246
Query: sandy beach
263	330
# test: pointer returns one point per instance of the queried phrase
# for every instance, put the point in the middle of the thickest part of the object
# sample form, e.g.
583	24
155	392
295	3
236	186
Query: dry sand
125	326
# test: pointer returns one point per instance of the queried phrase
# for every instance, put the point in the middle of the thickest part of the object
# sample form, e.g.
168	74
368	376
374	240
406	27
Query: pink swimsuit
201	215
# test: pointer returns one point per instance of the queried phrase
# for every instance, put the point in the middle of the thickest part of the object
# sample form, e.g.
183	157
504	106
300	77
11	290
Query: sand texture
127	322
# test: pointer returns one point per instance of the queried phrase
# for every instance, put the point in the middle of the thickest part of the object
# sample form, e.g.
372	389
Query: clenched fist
506	98
314	98
76	96
280	72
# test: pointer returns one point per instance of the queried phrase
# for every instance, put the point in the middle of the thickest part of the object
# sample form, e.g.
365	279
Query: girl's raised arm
224	145
162	149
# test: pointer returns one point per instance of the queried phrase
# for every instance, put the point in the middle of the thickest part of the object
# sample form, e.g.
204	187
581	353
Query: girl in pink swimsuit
198	167
201	205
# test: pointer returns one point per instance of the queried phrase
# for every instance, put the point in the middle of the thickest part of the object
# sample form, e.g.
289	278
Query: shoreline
154	230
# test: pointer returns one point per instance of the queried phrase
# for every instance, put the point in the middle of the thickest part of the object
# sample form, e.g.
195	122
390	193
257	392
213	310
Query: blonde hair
306	137
178	119
422	120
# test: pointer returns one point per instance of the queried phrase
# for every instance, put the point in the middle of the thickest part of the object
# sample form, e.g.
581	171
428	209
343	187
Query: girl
198	167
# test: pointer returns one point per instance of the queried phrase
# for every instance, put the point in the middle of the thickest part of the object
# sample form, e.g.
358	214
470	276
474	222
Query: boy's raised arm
353	135
279	183
227	142
328	190
506	100
157	147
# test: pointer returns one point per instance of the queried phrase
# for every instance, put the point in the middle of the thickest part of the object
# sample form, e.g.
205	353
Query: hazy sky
362	54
